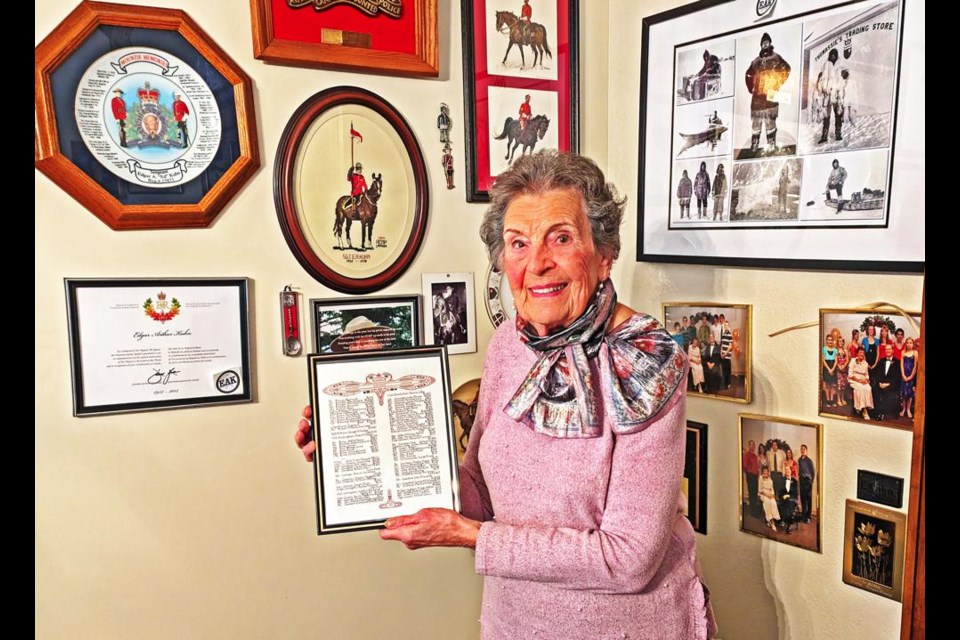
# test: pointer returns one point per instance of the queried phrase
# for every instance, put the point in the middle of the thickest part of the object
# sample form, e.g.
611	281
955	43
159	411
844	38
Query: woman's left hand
432	527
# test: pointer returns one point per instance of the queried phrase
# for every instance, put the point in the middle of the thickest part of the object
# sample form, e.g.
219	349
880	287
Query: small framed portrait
449	316
781	470
367	324
693	484
868	361
873	549
717	340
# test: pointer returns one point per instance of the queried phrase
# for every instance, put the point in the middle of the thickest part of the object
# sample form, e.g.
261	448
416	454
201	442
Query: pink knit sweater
581	538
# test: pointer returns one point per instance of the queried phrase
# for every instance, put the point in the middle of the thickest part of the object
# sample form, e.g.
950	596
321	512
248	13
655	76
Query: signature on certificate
159	377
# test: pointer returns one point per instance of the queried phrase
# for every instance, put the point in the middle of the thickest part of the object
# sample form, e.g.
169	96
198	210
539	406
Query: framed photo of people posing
717	340
782	138
781	479
868	363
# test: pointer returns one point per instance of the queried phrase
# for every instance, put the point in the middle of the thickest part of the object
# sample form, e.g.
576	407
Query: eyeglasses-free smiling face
549	258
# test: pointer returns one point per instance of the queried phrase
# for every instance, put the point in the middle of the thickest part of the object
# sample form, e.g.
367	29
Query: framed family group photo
717	340
141	117
520	64
346	155
782	138
365	324
395	37
781	479
868	365
384	434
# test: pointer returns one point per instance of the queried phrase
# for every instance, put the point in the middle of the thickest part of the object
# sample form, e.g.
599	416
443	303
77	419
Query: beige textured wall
199	523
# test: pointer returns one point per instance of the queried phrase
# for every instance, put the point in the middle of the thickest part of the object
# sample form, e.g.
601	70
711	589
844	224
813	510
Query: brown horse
535	130
366	214
532	35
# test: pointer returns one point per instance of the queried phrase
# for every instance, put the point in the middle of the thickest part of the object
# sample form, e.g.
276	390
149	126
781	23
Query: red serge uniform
525	113
180	110
358	183
526	13
119	108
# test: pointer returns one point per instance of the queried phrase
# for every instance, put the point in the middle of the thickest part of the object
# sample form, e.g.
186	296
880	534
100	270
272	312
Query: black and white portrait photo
701	192
703	129
449	311
846	187
766	191
705	71
849	75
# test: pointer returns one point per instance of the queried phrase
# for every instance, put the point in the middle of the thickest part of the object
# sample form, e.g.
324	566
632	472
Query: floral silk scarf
561	395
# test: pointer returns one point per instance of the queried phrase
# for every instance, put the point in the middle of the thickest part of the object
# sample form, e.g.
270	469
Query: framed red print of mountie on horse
520	59
350	189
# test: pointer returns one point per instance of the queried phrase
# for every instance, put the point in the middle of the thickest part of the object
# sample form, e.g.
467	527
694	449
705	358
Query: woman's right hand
304	436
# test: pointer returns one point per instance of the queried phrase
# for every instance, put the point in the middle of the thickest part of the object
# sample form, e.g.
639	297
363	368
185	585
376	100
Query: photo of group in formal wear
780	479
716	339
868	366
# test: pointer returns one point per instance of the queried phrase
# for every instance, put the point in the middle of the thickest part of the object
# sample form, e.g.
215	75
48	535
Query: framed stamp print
365	324
395	37
141	117
384	436
498	299
164	343
521	90
781	138
868	366
345	156
717	339
873	549
694	481
449	316
781	477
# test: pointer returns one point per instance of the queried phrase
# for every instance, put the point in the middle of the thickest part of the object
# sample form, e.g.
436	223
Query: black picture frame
363	433
124	338
695	474
814	242
478	81
396	318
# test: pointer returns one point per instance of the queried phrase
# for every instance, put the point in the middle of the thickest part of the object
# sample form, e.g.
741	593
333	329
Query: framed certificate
384	434
141	117
144	344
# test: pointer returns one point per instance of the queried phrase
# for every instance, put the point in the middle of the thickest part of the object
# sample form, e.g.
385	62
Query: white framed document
163	343
384	432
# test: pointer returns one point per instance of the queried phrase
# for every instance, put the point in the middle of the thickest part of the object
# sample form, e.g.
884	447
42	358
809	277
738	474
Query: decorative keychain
290	320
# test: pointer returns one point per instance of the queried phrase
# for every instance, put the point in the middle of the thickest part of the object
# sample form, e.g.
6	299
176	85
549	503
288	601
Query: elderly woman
571	481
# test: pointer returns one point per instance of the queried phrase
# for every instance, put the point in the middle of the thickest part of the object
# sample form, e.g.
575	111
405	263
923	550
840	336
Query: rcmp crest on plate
148	117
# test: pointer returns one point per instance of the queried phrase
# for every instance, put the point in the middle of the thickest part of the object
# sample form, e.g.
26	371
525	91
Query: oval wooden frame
57	48
284	188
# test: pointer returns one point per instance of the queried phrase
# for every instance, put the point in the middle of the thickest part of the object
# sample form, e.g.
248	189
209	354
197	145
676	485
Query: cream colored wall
762	589
199	523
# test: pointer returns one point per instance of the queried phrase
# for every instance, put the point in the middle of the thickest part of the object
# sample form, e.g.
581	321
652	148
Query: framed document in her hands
143	344
384	433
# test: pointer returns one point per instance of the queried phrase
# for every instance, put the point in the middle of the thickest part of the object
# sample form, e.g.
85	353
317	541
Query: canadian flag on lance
354	133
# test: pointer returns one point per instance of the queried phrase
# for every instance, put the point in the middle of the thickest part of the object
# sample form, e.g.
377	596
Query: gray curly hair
547	170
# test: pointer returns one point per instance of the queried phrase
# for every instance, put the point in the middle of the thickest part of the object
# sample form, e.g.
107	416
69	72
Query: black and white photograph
522	121
449	311
781	469
705	71
846	187
704	129
768	92
717	340
849	76
766	191
701	192
868	362
693	484
522	38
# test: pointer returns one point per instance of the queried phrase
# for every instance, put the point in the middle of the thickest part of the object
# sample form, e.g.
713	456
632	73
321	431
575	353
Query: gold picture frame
873	549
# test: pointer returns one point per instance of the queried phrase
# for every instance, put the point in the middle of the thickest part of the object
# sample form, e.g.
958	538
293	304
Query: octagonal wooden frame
62	42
